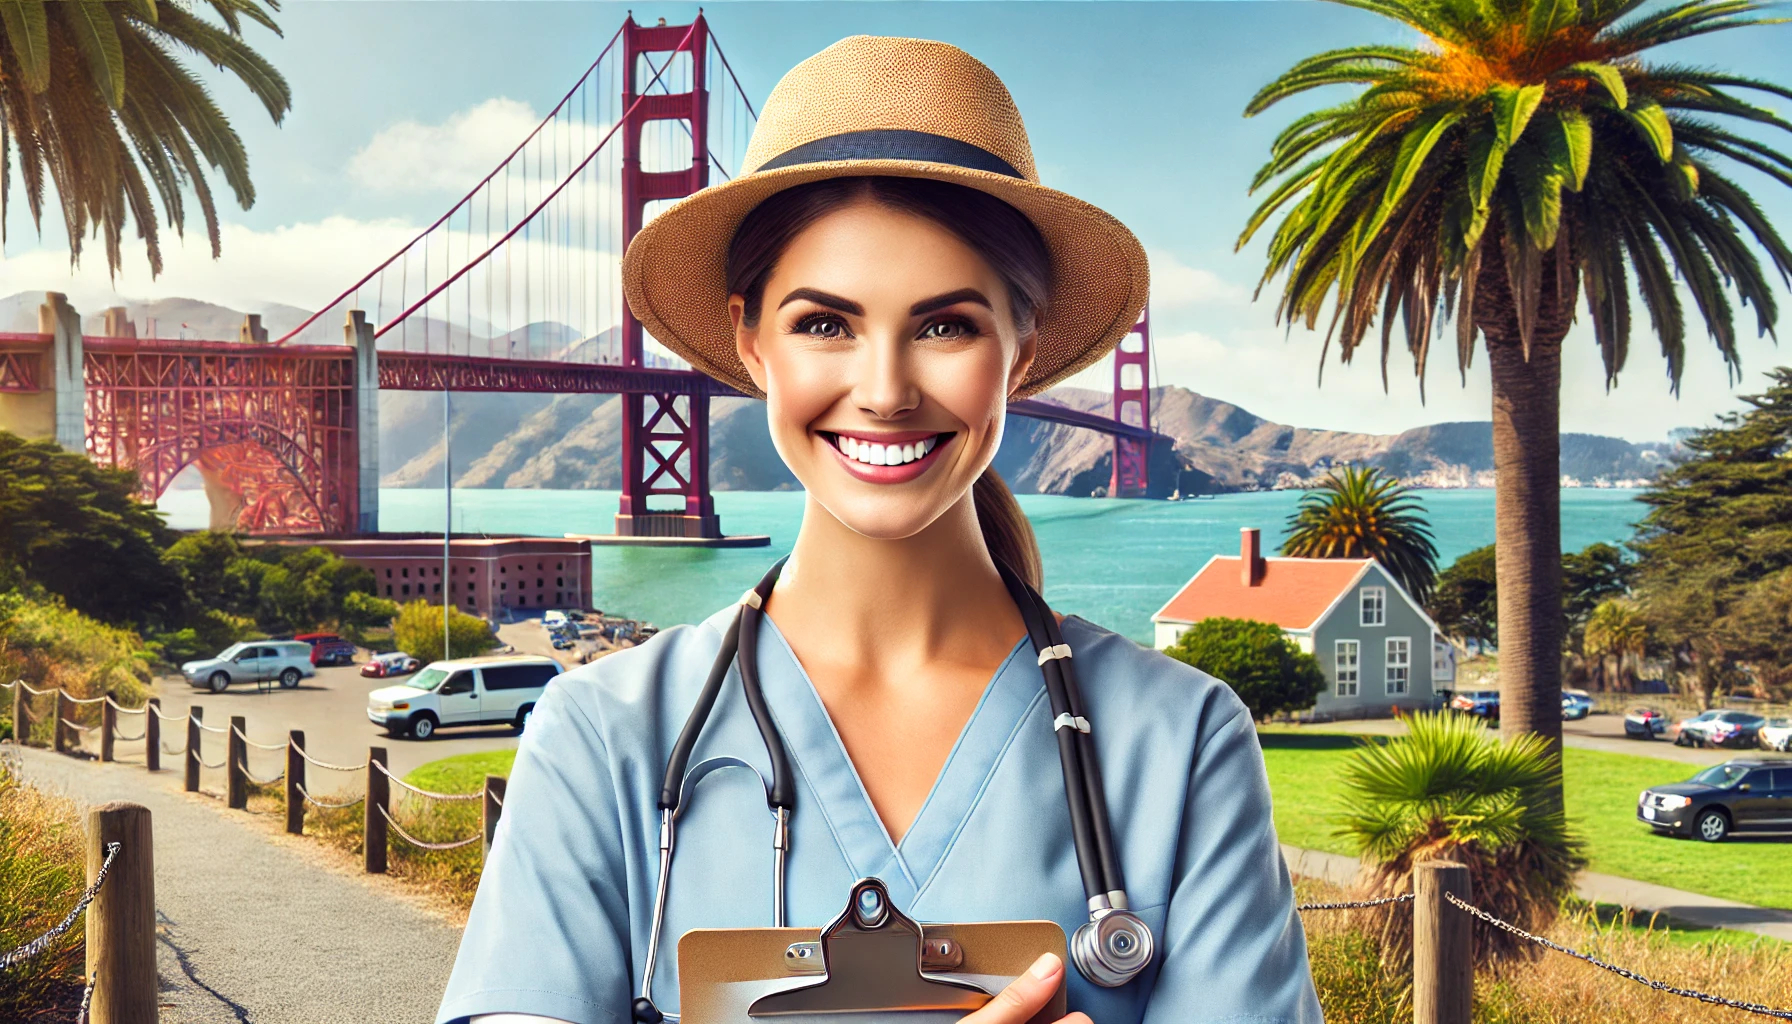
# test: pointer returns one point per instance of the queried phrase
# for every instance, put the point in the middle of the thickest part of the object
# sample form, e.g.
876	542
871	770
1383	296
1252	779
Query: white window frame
1355	669
1404	666
1380	596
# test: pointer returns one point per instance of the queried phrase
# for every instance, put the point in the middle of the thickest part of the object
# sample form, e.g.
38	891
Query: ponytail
1006	531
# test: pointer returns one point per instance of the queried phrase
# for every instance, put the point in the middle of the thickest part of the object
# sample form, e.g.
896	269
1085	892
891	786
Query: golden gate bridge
515	288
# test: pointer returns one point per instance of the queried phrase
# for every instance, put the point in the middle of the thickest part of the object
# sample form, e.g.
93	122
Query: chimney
1250	551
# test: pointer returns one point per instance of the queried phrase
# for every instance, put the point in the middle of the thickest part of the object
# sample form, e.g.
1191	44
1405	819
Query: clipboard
871	965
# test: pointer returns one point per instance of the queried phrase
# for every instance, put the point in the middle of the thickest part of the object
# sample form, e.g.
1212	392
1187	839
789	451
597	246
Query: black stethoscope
1110	950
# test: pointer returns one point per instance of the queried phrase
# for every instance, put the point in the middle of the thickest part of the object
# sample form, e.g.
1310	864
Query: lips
887	458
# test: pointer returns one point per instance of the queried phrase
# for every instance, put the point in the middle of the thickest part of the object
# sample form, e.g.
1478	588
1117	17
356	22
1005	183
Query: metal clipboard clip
871	964
873	959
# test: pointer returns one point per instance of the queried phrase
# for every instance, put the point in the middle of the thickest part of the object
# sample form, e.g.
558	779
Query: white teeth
885	455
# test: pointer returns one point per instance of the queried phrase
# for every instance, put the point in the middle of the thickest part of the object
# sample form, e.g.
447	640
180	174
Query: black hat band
893	144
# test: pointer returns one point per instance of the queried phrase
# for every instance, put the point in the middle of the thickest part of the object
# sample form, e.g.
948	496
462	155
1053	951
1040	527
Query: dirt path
257	928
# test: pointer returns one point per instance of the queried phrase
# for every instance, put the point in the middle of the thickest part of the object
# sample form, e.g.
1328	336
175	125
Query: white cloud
1176	285
450	156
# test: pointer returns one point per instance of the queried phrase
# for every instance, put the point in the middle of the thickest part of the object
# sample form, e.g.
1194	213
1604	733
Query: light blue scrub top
559	925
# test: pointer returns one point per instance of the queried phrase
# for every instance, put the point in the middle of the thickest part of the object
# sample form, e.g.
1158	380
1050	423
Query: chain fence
36	947
1507	926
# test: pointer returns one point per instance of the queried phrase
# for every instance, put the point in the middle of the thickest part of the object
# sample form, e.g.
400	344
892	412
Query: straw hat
881	105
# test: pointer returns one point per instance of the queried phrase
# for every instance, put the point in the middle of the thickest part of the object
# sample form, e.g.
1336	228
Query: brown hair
1000	234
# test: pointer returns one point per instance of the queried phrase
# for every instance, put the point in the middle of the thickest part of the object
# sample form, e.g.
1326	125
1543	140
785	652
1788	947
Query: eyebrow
950	299
820	297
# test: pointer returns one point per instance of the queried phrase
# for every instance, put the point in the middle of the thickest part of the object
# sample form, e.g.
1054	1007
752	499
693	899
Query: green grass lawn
1601	790
462	773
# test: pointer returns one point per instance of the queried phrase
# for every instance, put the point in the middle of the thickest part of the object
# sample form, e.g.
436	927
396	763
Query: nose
886	387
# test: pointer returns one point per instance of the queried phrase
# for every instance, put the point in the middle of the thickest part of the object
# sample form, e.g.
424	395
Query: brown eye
821	326
945	330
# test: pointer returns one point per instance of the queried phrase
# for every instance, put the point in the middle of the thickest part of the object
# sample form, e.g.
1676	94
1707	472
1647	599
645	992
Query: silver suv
253	661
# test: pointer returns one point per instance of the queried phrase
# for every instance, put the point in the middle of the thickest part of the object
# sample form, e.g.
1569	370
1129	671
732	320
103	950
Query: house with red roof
1378	648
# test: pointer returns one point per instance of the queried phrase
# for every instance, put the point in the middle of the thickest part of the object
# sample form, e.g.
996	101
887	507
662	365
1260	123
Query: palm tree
1361	512
1615	629
1522	155
94	95
1448	791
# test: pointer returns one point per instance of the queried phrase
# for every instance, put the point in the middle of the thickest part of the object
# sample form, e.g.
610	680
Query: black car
1747	794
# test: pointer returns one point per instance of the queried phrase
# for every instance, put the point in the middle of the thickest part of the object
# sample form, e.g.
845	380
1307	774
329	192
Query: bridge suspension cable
525	267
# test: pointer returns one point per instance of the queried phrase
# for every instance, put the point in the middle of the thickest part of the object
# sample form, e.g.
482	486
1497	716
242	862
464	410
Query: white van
488	690
553	619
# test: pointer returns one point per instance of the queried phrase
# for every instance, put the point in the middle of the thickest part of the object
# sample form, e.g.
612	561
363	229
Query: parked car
466	691
251	662
1721	729
390	664
553	619
1777	734
1645	723
328	648
1480	703
1747	794
1576	704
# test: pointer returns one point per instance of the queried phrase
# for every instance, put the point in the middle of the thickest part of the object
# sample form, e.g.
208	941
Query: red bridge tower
665	437
1132	406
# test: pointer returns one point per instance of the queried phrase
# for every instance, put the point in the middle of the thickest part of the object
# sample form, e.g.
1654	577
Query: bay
1112	561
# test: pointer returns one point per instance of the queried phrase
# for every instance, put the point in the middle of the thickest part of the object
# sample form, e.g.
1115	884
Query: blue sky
1133	106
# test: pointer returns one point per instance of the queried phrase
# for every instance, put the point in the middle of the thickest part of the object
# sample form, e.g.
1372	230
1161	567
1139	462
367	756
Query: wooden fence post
295	782
21	714
195	715
152	734
121	921
236	764
59	732
1443	970
373	828
493	808
108	729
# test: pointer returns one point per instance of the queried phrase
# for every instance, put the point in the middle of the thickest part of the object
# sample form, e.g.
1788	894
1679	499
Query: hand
1017	1003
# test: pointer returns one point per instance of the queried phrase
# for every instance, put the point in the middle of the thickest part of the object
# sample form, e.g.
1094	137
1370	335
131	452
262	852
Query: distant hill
571	441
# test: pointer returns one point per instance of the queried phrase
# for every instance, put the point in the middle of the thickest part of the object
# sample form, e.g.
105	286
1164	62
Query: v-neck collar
820	757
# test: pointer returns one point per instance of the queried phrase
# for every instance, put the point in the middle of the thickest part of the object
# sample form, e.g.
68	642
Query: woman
887	275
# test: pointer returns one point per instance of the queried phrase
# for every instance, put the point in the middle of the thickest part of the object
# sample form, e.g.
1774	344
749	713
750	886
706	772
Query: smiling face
887	350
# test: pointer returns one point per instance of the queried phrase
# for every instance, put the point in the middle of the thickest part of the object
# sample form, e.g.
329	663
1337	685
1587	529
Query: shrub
362	612
43	869
418	632
48	644
1448	790
1267	671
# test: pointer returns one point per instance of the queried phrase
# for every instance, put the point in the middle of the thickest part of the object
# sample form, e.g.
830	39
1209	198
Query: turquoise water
1111	561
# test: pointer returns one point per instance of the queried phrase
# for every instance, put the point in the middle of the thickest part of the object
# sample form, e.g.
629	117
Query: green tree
95	96
363	611
1465	603
1361	512
1524	153
418	632
1714	552
1615	630
1265	668
1590	577
1448	790
77	530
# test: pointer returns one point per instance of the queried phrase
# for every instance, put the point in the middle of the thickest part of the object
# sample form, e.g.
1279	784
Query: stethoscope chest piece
1112	948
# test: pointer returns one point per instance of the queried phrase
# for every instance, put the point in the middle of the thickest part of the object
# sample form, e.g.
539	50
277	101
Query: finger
1025	996
1076	1018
